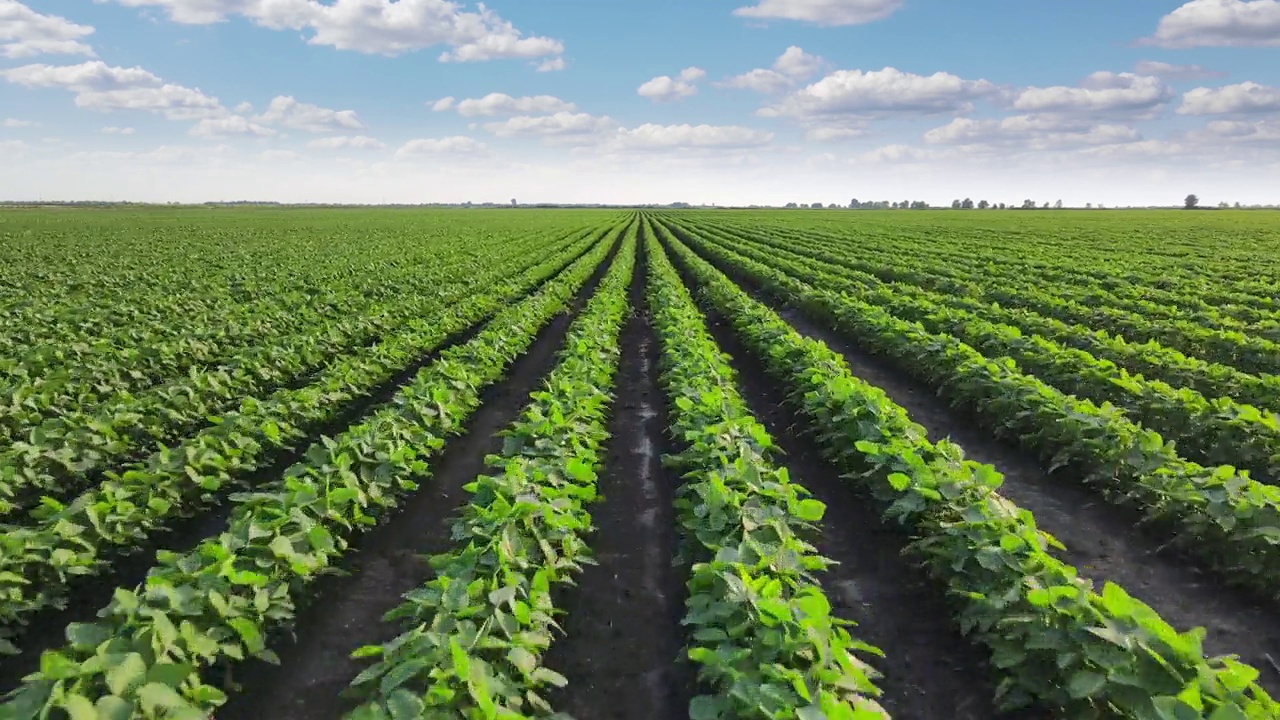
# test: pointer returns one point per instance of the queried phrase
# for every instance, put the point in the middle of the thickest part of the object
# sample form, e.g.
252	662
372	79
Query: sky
701	101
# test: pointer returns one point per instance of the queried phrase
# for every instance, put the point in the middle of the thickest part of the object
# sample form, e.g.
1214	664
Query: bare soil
622	650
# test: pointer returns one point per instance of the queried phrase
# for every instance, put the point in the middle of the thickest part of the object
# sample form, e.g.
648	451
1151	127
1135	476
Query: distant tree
791	205
834	206
1237	205
1101	206
1191	202
816	206
955	204
1028	204
967	204
895	205
513	202
1046	205
1057	205
1088	206
983	204
1003	206
1223	205
855	204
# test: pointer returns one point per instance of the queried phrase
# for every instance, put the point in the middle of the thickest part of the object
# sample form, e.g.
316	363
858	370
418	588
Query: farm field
613	464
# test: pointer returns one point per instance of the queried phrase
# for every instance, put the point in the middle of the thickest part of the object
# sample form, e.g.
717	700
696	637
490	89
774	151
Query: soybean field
490	464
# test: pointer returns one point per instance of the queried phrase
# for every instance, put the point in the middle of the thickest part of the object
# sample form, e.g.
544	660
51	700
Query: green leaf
126	674
810	510
78	707
1085	683
110	707
707	707
404	705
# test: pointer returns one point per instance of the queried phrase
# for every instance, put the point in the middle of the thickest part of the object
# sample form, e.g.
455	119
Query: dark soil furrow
621	652
129	570
930	670
344	612
1103	540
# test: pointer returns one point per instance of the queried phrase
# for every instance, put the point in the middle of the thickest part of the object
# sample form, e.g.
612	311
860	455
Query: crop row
156	649
476	632
1149	358
1054	641
760	626
39	561
1231	347
66	451
1218	431
1232	523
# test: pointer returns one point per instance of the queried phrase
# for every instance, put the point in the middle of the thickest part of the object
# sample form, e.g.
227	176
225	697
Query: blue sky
727	101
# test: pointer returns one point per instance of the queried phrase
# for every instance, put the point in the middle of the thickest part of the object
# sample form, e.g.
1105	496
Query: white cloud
276	155
1266	131
854	93
673	137
1220	23
562	127
834	134
503	104
229	126
792	66
383	27
1033	132
822	12
551	64
1171	72
356	142
1101	92
13	148
1245	97
456	145
112	130
16	123
287	112
27	33
101	87
665	88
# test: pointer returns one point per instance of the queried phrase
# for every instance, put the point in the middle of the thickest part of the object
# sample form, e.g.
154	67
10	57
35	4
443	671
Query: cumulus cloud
355	142
383	27
791	67
1169	71
1220	23
558	125
822	12
230	126
1101	92
16	123
114	130
503	104
854	93
1245	97
672	137
26	33
455	145
101	87
1034	132
286	111
1264	131
551	64
665	88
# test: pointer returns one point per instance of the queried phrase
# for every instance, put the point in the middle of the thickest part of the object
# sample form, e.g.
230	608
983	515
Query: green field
403	463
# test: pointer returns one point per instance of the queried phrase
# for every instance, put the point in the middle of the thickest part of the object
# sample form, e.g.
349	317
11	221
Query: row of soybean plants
1217	514
60	542
1115	255
759	626
155	648
1149	358
1154	291
1247	347
58	455
1213	431
75	361
1053	639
